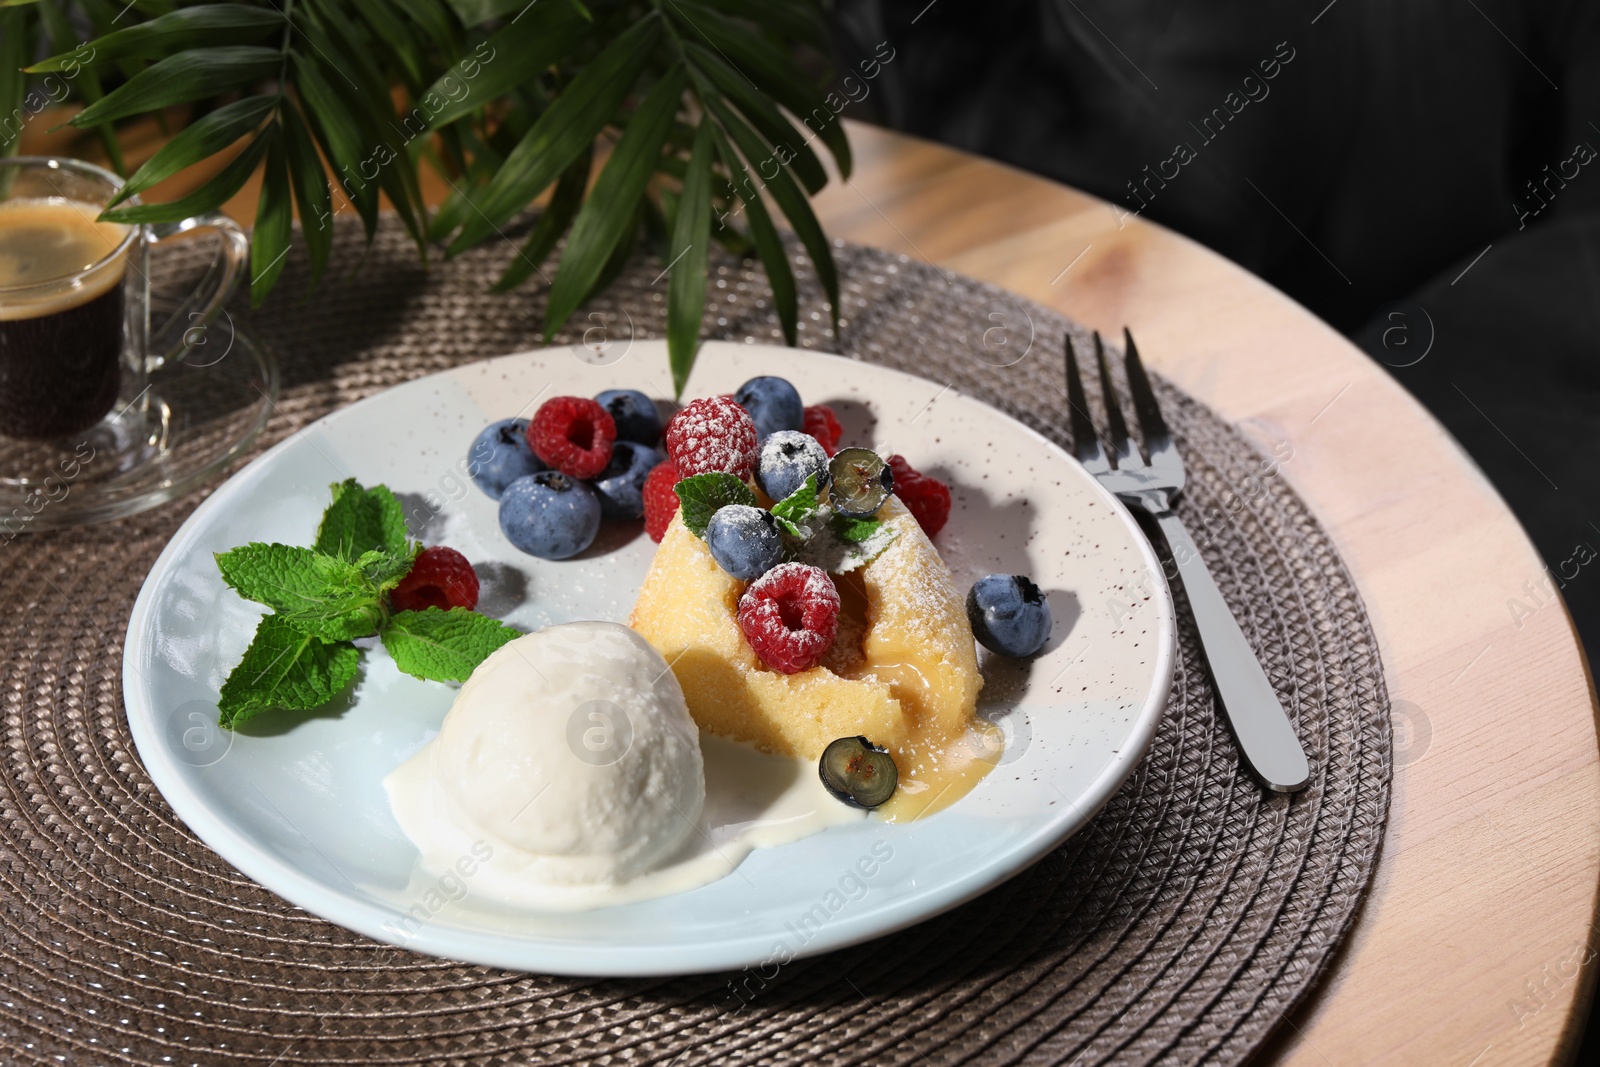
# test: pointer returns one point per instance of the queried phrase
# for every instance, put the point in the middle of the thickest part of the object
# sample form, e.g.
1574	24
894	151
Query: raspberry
440	578
823	424
660	502
790	616
574	435
712	434
928	499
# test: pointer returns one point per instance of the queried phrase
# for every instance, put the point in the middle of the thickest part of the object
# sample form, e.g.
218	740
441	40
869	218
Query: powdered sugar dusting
826	549
712	434
919	589
743	520
787	459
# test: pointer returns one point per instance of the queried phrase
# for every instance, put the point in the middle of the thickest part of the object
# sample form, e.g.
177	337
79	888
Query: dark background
1422	174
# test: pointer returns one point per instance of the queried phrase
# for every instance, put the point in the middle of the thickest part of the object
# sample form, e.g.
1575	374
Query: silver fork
1265	735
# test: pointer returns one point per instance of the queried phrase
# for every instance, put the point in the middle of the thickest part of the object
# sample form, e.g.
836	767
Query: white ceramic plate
297	803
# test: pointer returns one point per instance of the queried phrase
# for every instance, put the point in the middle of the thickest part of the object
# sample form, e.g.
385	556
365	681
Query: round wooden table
1473	946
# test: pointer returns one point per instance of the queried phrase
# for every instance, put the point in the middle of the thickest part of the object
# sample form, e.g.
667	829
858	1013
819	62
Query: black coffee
60	346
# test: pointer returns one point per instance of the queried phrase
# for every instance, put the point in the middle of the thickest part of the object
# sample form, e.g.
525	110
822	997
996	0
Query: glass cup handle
179	333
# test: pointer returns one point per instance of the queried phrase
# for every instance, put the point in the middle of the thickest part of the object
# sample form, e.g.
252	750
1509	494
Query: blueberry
787	458
1009	615
500	455
620	486
744	541
858	772
773	403
549	515
862	481
635	415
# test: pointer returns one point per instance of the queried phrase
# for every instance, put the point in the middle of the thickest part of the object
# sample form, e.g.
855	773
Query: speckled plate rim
366	917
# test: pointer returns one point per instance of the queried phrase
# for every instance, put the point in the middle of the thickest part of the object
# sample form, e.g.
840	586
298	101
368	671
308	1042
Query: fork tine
1126	450
1157	440
1086	444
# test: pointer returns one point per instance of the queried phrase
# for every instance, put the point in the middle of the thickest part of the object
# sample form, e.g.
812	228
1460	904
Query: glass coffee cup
75	338
115	394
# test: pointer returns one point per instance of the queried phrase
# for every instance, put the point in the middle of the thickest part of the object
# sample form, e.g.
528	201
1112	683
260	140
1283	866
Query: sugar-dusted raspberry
574	435
660	502
790	616
712	434
440	578
823	424
927	498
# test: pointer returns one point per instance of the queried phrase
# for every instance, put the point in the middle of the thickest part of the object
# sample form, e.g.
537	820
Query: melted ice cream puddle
753	800
548	828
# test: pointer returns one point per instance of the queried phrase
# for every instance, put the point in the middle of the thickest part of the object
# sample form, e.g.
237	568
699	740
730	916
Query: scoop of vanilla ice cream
574	744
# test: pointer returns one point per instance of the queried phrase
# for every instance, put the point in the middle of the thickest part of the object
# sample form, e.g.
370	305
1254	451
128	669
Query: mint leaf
854	531
702	494
386	569
799	505
316	593
285	667
788	527
839	545
443	646
361	520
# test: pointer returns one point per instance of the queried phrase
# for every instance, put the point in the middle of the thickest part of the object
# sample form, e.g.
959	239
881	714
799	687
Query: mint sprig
852	530
321	595
840	544
385	569
324	596
443	645
360	521
702	494
799	506
285	667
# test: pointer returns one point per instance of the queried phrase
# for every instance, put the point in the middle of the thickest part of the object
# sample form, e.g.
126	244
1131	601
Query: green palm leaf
64	35
789	199
778	131
691	234
764	235
199	140
345	46
311	195
210	196
627	244
181	78
209	25
394	31
519	51
477	12
16	41
553	222
569	126
340	137
802	21
436	23
506	98
269	242
604	217
771	70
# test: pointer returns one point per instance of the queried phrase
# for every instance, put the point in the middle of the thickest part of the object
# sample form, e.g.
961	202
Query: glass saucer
201	411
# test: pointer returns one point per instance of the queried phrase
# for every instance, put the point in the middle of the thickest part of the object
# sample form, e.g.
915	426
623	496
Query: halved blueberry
861	482
858	772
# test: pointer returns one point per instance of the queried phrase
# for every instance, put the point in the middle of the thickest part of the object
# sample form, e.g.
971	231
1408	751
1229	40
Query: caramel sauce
935	770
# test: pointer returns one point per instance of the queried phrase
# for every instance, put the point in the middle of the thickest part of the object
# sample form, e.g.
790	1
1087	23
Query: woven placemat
1180	925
